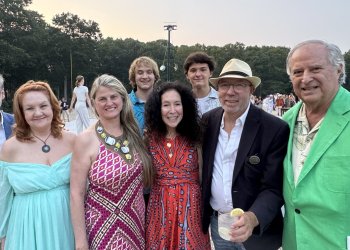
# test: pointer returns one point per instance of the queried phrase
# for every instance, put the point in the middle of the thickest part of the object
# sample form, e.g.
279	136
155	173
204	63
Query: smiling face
314	78
144	77
234	95
198	74
108	103
171	110
37	110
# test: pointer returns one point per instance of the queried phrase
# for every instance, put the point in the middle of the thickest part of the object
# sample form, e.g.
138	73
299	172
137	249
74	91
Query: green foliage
347	70
75	27
32	49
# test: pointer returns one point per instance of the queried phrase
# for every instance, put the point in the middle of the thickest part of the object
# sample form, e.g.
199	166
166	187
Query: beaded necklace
117	144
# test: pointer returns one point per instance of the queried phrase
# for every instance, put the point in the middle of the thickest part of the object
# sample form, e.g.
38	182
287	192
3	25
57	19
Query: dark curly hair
199	57
189	127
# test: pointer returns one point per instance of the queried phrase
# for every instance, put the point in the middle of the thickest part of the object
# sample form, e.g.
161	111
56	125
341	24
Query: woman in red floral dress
173	136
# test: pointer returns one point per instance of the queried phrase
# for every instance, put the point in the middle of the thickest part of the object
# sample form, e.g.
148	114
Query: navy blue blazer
8	122
257	181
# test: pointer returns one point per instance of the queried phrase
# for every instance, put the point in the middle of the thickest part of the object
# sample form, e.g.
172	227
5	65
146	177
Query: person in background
173	139
279	104
81	95
243	152
258	102
7	119
269	104
64	108
143	74
112	158
292	100
316	168
34	174
199	68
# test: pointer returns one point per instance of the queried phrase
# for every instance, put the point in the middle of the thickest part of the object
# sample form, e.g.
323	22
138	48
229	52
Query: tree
80	42
22	42
75	27
13	16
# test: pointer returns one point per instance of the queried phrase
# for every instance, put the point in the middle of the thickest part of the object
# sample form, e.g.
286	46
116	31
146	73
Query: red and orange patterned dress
114	206
173	212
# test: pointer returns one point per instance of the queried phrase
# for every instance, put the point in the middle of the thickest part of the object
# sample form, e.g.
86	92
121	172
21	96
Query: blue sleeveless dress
34	205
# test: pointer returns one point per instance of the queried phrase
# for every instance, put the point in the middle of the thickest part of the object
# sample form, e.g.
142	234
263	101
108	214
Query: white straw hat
236	68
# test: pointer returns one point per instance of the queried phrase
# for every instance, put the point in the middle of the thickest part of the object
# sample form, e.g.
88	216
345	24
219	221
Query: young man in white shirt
199	68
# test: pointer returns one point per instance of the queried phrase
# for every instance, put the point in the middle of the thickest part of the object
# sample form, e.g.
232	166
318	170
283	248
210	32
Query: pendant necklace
169	141
45	148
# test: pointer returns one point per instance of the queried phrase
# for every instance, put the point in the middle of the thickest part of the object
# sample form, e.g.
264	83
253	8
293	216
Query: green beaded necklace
117	144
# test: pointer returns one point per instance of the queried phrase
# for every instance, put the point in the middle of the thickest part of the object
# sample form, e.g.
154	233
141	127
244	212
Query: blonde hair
127	121
146	61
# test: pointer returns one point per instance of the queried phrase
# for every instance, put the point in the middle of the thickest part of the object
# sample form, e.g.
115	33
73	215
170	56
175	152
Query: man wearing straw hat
243	152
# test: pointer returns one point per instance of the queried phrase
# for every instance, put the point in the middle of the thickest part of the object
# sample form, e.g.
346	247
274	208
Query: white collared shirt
208	102
2	130
224	163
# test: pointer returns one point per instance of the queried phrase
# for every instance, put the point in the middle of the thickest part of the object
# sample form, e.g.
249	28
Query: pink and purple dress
114	206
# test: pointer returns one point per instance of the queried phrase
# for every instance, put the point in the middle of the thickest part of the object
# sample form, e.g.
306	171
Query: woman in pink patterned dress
111	159
173	213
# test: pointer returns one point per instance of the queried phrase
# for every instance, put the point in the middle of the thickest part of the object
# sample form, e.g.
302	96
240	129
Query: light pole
169	28
71	67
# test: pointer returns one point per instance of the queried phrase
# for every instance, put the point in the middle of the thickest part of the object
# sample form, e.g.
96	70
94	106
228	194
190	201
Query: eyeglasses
225	86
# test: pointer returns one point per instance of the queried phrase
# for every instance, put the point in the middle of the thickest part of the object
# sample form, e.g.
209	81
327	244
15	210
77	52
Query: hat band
234	73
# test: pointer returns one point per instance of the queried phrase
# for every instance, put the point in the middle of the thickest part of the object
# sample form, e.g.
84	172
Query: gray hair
1	82
335	56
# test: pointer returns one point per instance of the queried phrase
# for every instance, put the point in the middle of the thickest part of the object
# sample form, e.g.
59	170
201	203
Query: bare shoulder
86	149
86	142
69	136
10	149
87	136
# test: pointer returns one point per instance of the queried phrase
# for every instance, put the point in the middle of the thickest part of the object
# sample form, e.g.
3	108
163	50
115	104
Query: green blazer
318	207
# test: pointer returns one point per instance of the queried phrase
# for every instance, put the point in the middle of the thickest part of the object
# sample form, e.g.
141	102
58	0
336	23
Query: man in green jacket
317	165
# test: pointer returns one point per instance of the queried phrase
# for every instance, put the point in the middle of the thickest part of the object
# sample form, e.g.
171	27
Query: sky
209	22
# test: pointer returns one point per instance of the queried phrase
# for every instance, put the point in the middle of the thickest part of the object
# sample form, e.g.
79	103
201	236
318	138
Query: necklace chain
169	145
45	148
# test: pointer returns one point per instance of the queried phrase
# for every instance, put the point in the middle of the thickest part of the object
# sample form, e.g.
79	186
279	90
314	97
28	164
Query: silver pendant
99	129
110	140
46	148
125	149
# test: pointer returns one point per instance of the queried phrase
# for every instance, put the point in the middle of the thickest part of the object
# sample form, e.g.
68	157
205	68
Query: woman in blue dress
34	174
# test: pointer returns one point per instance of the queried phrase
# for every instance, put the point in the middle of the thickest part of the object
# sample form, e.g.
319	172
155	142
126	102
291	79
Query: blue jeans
220	243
